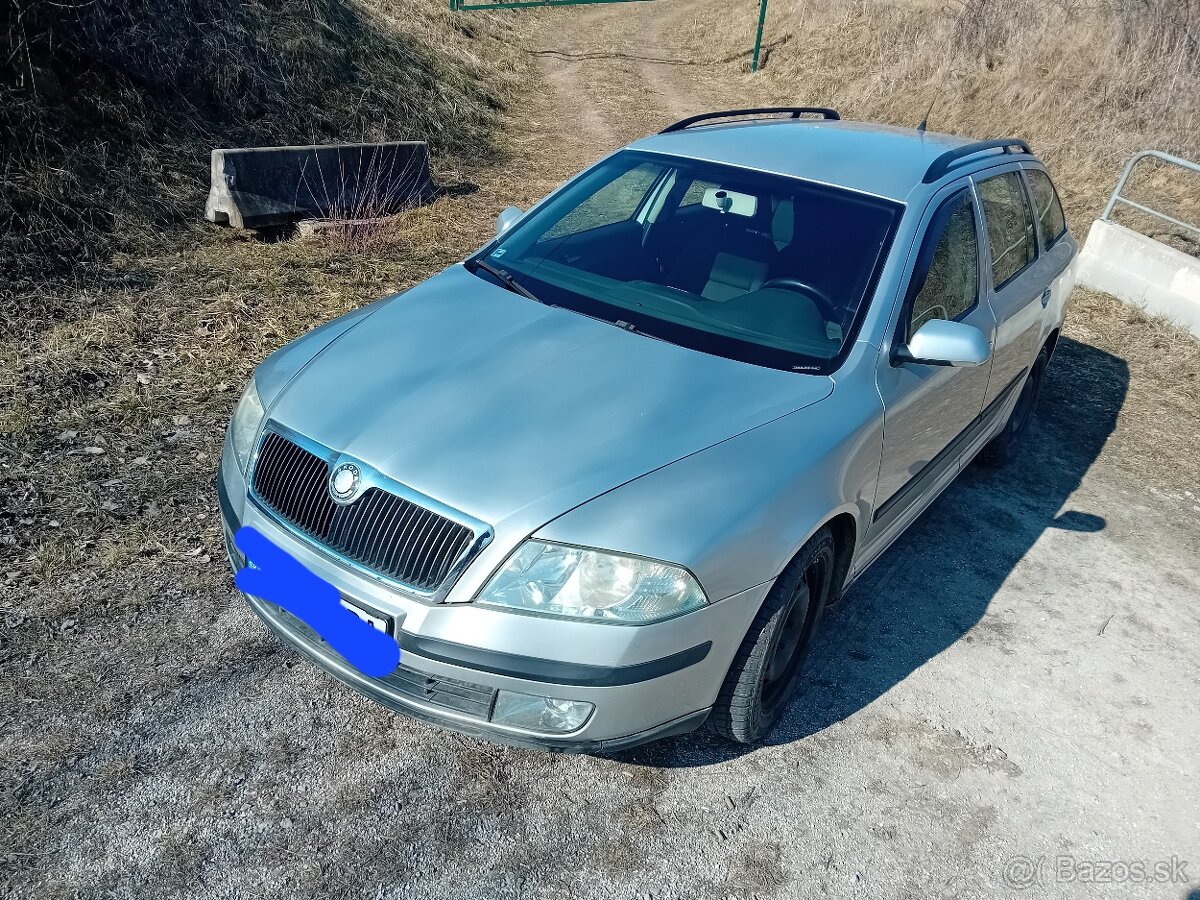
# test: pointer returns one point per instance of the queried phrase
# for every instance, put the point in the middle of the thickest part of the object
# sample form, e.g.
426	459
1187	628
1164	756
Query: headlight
243	428
558	580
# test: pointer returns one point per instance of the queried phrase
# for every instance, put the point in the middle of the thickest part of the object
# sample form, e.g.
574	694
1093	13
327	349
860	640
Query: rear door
1018	286
1057	246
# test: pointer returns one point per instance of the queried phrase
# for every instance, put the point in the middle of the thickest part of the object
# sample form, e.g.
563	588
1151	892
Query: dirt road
1015	682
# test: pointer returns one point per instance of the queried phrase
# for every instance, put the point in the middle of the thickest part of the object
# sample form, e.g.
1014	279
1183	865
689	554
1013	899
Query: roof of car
877	159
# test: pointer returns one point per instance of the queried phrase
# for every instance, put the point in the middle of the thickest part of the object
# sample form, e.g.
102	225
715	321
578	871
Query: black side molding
899	501
226	507
549	671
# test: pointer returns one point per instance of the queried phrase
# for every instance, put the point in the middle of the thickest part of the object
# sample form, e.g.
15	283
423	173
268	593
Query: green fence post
762	20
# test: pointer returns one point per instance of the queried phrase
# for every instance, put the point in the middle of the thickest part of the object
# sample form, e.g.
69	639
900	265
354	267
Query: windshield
761	268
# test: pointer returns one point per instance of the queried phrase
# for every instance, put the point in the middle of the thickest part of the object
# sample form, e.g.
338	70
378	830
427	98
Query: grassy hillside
108	109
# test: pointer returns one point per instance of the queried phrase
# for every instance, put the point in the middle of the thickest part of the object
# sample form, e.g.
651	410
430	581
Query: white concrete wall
1140	270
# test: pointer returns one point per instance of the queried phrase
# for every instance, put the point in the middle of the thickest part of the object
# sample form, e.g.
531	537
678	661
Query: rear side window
1010	228
1049	210
952	286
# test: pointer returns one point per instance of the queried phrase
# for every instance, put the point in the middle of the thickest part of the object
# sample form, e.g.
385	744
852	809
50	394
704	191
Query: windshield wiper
506	279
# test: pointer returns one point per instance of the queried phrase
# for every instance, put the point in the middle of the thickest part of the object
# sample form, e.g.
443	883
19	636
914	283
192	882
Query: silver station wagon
601	479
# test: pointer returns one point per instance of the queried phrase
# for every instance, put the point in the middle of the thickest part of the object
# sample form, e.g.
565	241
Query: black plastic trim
793	112
891	508
226	507
549	671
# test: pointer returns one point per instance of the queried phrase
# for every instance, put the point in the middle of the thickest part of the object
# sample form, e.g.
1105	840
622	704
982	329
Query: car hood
515	412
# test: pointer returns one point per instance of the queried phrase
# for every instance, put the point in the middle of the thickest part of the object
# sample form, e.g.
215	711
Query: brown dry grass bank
109	108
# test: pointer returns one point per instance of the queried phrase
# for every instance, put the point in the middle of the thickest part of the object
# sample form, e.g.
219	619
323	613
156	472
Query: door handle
1045	298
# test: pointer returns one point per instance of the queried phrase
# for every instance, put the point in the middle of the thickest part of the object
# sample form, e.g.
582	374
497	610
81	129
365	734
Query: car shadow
935	583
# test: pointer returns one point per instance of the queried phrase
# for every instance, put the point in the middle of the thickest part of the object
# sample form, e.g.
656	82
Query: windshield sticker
498	253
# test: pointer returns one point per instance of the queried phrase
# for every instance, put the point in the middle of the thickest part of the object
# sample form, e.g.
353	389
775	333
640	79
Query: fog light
543	714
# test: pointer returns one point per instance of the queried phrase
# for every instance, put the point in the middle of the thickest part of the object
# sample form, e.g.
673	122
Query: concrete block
259	187
1140	270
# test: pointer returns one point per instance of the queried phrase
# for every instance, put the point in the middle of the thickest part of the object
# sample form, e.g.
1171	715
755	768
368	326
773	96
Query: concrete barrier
259	187
1140	270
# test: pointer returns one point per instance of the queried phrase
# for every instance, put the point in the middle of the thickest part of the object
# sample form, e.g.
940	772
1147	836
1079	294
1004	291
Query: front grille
447	693
380	530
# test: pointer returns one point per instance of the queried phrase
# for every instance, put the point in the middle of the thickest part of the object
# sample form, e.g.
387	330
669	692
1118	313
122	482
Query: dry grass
1087	84
124	339
108	109
1156	434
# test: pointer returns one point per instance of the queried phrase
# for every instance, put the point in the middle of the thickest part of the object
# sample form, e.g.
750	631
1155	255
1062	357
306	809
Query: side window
695	192
1010	228
617	201
952	286
1049	210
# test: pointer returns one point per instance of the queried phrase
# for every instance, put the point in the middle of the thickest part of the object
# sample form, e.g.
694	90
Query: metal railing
1137	157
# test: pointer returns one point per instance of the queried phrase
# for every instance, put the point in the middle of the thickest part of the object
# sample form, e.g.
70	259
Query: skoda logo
344	481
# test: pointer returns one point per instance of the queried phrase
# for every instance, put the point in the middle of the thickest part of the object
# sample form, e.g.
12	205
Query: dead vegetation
108	109
1087	83
128	325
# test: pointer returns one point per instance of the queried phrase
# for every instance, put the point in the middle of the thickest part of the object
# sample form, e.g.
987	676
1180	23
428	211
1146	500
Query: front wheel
766	670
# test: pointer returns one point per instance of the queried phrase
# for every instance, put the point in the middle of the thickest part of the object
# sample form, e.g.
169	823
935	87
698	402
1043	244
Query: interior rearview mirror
507	219
943	343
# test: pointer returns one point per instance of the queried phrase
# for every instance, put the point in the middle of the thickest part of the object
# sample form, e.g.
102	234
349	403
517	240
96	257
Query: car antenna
925	121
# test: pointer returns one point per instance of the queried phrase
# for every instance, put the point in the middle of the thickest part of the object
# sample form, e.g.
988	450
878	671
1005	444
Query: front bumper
397	694
646	682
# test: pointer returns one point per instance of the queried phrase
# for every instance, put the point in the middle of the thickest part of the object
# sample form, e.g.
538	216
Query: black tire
1003	448
767	668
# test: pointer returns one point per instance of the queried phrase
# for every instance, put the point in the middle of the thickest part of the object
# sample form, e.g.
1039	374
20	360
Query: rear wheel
1002	449
766	670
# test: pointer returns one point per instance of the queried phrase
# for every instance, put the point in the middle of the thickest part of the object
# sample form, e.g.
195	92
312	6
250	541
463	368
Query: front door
929	410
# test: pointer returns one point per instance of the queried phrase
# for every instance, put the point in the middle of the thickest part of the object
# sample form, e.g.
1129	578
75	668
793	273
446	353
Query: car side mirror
940	342
507	219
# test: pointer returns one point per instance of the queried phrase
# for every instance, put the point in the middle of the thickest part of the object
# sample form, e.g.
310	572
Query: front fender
736	513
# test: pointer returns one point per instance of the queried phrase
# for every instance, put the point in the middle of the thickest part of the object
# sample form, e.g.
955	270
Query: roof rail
794	112
950	158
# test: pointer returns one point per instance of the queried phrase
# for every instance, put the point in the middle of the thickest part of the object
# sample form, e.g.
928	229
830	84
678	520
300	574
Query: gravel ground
1007	699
